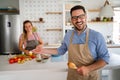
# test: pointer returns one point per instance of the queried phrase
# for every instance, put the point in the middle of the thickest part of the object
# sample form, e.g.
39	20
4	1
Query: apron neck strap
34	37
87	35
71	37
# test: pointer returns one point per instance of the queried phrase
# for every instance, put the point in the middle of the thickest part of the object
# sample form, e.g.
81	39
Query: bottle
108	39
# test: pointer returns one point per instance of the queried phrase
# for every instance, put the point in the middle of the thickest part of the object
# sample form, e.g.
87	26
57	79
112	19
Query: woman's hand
26	52
39	47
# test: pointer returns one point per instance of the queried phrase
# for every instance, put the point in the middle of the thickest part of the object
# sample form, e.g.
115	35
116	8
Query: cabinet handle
9	24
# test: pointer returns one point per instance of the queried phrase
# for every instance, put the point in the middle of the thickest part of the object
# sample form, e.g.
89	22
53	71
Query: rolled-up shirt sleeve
101	49
65	44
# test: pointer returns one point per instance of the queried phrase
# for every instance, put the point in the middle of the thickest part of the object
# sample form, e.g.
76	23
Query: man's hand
37	49
83	70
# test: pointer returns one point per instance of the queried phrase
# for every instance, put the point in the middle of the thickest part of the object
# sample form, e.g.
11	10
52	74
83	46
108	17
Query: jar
38	58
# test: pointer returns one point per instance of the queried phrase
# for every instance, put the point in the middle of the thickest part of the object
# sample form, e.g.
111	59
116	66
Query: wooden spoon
72	65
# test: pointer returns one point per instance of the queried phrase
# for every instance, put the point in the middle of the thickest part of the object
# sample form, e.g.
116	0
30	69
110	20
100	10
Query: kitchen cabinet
9	4
9	11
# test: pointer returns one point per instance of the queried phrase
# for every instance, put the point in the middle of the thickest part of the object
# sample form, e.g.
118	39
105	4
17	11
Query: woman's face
78	18
28	27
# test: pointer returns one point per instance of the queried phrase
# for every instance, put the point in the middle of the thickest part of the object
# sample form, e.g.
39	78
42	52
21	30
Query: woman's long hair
24	31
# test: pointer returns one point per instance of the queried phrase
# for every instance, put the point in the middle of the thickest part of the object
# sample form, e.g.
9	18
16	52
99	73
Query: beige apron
80	55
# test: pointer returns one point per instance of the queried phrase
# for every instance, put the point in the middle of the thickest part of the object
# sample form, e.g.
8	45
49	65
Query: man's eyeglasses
82	16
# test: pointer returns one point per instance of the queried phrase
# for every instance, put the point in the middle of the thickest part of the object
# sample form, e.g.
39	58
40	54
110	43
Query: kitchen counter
52	46
30	65
32	70
50	70
113	45
57	45
113	67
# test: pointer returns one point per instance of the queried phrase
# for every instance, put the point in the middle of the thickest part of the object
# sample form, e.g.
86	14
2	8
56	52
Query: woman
29	40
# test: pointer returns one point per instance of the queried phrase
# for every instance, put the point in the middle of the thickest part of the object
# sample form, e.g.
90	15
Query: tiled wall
34	9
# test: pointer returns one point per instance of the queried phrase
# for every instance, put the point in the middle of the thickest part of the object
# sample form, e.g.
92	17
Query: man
86	48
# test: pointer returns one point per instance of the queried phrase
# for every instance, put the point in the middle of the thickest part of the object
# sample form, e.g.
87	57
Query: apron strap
71	37
87	35
34	37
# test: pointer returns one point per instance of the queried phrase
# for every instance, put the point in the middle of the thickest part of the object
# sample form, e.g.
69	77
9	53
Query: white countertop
50	64
114	62
32	70
113	45
57	45
52	46
30	65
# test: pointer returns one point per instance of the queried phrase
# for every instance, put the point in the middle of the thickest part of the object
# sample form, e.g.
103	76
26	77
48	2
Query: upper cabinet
9	6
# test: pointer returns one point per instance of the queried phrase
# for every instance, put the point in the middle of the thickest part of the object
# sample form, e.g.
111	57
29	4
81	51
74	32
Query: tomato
33	56
22	57
15	60
11	61
19	59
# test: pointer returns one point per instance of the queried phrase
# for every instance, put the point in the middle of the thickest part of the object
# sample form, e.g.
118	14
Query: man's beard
77	28
81	29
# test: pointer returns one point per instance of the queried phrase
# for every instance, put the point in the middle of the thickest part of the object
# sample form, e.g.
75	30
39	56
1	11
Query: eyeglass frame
82	16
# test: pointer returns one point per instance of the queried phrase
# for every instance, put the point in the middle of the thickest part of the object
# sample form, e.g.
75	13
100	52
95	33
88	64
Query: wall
34	9
104	28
